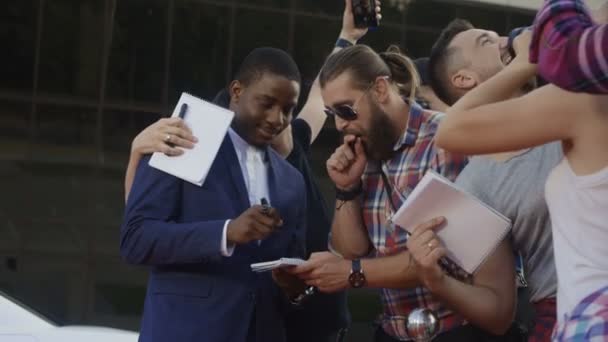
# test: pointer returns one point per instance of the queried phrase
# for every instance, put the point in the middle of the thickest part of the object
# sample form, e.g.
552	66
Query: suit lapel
277	195
274	174
236	175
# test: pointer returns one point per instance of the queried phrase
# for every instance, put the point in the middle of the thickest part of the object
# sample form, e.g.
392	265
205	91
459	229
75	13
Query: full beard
381	137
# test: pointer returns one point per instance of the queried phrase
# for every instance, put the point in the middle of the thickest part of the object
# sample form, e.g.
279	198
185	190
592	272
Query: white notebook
473	229
209	123
271	265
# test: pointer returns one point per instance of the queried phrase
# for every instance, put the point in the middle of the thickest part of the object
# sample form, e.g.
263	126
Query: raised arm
569	48
312	111
158	137
487	120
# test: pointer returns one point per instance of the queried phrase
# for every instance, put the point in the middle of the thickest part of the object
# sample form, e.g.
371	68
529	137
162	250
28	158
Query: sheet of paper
271	265
209	123
473	229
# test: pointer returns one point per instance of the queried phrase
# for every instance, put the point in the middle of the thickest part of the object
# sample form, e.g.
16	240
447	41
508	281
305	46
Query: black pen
265	206
182	111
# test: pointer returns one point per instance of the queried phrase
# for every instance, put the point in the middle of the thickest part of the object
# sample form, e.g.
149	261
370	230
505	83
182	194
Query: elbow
350	252
500	327
129	251
502	320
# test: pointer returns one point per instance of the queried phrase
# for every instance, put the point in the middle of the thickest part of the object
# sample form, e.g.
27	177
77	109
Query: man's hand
253	225
164	136
346	166
521	46
327	272
349	31
289	283
426	249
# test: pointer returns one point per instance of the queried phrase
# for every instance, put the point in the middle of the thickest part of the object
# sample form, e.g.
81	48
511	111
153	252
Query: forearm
312	111
134	160
392	272
501	87
482	306
155	242
348	234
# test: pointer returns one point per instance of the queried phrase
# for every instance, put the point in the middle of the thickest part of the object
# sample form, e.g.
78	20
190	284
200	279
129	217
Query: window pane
381	39
258	28
120	127
431	14
486	18
419	43
71	46
198	54
14	118
520	19
278	4
324	7
66	126
313	41
137	59
18	36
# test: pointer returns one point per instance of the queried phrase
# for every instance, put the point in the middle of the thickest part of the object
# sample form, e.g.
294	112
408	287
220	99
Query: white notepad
209	123
473	229
271	265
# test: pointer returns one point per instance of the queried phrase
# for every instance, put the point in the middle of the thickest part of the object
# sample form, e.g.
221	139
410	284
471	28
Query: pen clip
182	110
265	206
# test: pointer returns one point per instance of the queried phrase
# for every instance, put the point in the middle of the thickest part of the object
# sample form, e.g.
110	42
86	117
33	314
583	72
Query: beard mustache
381	137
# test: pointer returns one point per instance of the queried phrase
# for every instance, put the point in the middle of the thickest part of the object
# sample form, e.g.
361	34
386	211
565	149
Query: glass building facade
80	78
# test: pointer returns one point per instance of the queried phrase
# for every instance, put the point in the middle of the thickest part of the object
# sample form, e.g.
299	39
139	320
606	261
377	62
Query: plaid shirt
570	49
587	322
415	154
544	320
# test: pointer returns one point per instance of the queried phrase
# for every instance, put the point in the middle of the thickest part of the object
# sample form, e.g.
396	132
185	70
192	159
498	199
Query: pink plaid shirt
415	154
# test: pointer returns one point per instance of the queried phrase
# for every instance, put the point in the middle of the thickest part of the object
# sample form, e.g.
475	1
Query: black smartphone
365	13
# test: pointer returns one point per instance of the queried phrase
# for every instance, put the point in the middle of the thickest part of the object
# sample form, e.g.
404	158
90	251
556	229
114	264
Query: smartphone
365	13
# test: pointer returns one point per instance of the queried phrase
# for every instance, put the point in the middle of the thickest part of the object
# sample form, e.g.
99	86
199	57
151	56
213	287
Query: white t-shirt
579	211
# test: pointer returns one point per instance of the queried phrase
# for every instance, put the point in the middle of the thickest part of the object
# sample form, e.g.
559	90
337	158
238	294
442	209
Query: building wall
78	80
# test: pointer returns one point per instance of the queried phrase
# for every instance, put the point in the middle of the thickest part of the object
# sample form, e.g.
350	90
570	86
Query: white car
20	324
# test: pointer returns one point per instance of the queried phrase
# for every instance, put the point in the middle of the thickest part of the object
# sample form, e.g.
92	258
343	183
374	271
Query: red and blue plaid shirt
570	49
587	322
415	154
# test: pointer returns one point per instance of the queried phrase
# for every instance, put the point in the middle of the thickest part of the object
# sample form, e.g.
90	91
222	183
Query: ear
464	80
382	89
236	90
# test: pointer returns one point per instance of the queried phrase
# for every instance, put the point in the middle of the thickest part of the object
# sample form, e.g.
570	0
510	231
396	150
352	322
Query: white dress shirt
255	173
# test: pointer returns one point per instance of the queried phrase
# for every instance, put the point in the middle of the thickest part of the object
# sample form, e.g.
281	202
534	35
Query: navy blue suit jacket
194	293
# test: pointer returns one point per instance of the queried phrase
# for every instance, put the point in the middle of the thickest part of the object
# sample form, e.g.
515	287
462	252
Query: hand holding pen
256	223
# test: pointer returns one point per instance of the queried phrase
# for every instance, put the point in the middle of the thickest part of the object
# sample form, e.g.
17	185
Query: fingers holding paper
426	250
168	136
289	283
325	271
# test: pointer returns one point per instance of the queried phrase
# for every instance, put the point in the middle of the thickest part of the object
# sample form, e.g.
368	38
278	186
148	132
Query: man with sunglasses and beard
388	147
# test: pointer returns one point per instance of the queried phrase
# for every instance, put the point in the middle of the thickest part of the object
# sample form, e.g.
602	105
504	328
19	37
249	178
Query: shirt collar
414	122
241	146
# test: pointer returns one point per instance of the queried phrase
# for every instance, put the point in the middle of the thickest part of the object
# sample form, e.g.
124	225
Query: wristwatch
356	277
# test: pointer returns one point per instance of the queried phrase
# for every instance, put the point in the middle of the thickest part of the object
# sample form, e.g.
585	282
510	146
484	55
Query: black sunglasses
345	111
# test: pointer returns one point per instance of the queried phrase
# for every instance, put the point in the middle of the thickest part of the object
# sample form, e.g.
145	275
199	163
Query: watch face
356	279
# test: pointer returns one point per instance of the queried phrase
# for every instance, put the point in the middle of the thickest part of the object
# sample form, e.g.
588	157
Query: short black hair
267	60
422	66
439	61
222	98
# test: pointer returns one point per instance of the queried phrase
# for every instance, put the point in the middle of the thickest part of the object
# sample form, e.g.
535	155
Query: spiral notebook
473	229
209	123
